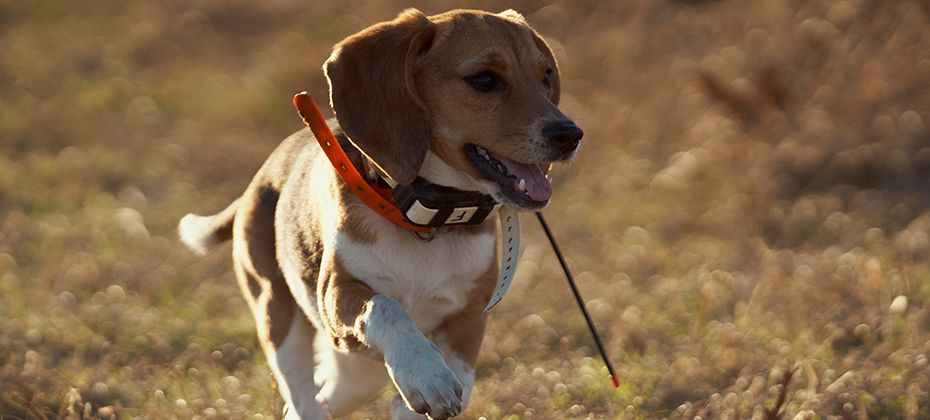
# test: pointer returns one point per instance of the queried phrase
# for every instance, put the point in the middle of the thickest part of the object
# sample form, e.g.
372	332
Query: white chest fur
429	279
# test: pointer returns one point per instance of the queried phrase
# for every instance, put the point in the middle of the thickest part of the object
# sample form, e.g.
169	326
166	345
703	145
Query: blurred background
748	217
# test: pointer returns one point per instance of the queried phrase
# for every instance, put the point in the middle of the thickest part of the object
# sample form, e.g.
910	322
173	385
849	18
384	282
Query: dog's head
466	99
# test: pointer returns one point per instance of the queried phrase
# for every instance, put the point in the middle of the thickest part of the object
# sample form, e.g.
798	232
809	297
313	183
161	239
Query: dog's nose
565	135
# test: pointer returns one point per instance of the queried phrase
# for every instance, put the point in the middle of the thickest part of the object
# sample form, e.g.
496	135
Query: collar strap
510	241
378	199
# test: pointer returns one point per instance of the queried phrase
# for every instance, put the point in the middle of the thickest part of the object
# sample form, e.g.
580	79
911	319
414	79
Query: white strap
510	226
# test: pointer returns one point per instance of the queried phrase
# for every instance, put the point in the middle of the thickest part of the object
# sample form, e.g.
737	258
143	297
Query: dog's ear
373	93
554	77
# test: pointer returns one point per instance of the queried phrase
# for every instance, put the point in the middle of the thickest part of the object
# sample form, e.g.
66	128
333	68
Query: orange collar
377	198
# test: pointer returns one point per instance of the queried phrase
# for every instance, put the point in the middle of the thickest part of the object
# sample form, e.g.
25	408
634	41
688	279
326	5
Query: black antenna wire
584	310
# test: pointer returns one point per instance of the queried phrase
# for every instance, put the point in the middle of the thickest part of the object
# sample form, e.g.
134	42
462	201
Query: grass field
749	217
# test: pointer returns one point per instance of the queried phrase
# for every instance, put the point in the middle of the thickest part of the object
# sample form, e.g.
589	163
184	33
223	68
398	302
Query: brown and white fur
344	299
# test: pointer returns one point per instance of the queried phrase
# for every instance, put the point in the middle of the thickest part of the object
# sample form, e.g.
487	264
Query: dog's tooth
483	153
523	185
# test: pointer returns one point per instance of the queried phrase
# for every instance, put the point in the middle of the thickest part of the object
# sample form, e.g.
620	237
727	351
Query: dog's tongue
536	184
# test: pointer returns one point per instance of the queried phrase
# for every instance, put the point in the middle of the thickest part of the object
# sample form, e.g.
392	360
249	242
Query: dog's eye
485	81
547	79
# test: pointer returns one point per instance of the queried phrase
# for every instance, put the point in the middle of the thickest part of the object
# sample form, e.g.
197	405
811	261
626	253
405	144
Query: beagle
343	298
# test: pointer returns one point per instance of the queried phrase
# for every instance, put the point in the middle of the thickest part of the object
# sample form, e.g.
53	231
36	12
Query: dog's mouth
521	184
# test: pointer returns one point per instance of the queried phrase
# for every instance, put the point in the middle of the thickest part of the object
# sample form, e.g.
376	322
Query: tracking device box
429	205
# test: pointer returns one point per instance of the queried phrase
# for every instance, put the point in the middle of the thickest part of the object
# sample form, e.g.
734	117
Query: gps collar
421	207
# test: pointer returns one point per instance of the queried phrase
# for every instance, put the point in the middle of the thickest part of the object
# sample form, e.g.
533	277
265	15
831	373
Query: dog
343	298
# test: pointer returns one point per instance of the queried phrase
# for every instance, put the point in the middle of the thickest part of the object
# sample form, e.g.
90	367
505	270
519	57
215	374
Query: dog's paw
425	382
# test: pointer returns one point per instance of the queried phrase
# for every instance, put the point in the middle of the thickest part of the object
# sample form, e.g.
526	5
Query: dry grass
748	213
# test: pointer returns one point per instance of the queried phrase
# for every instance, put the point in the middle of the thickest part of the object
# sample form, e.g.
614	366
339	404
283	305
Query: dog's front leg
415	364
356	317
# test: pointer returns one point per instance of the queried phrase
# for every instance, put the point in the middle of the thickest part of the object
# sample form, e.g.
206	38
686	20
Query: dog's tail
200	233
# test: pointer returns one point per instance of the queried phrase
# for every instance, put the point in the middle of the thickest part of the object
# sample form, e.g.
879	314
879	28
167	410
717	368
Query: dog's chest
430	279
